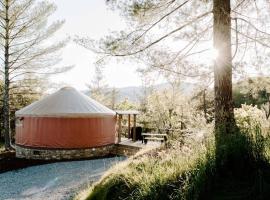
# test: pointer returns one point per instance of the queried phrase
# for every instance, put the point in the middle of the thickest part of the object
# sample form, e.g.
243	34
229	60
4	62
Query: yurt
64	125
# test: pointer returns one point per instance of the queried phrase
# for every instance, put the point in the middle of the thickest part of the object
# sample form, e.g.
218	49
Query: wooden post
119	128
134	128
129	126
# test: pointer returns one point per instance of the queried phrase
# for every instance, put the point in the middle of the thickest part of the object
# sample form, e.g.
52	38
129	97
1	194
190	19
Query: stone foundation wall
125	150
63	154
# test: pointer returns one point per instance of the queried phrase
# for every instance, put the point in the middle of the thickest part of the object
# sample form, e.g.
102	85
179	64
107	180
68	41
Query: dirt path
55	181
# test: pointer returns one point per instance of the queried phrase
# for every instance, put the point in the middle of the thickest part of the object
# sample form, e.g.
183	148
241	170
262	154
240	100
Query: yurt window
19	121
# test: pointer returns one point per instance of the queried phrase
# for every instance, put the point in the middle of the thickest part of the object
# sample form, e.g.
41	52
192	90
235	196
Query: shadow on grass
242	169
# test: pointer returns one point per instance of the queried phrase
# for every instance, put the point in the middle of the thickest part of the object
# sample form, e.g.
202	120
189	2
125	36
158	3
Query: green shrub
255	127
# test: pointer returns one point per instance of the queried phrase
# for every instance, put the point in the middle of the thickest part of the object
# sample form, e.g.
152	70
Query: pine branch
14	18
253	39
252	25
158	21
160	39
39	73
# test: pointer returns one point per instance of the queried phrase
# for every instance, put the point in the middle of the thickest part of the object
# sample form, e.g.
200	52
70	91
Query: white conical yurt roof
66	102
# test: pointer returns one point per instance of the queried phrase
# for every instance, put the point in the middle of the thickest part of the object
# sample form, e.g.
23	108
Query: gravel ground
55	181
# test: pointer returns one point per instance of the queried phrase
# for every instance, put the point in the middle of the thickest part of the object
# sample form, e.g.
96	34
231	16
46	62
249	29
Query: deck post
134	128
129	126
119	127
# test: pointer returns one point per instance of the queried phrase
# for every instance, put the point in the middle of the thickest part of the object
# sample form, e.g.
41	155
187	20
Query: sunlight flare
213	54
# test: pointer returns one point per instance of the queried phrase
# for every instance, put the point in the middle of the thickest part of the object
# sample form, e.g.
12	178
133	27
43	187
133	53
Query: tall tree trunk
229	152
6	109
224	117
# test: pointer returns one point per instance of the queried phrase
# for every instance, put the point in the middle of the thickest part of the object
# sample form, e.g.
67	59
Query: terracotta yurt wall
64	121
68	133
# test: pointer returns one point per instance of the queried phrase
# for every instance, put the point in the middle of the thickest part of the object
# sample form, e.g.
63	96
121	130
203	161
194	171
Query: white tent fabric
67	102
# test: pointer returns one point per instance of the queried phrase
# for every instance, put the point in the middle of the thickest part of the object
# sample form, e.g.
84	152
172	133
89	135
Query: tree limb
161	38
163	17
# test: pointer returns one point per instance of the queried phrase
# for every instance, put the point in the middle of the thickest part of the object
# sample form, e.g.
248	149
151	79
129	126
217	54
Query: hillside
134	93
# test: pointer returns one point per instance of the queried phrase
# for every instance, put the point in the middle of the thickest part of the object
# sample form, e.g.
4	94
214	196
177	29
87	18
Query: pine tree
24	46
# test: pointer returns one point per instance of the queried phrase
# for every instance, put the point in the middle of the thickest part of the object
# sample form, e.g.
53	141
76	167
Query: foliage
253	123
19	98
203	101
163	110
253	91
248	118
169	109
126	105
239	98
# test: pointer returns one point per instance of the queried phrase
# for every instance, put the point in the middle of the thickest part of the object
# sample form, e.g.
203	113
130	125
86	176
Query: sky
90	18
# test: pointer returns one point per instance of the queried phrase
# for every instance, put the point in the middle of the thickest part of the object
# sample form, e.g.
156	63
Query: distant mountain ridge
133	93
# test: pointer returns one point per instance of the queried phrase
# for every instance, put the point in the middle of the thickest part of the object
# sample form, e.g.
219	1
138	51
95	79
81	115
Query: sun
208	57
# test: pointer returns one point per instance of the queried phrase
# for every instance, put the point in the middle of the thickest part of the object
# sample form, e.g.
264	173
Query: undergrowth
174	173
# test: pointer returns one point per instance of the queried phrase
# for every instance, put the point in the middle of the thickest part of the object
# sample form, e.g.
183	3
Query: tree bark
224	117
6	109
